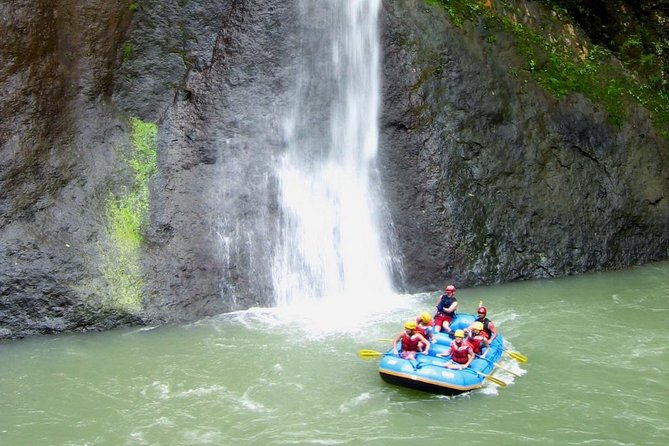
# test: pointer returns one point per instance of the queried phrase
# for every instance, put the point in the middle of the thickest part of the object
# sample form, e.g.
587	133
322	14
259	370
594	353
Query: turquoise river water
597	375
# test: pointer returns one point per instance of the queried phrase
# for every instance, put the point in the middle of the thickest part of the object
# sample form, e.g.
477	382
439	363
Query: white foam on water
349	405
156	391
334	315
250	405
201	391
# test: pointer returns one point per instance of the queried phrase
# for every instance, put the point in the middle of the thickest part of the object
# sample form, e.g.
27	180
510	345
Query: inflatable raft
427	372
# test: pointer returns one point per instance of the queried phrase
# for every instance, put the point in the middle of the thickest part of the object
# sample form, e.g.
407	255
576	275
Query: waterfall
331	241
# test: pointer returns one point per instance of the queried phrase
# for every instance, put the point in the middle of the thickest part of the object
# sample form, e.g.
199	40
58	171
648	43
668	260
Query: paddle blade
497	381
517	356
385	340
369	354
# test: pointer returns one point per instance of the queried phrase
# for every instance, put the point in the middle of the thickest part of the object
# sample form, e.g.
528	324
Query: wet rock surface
57	139
501	180
488	178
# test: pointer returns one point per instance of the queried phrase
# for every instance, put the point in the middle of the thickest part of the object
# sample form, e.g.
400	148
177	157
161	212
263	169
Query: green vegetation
461	10
563	63
133	6
126	52
143	161
126	214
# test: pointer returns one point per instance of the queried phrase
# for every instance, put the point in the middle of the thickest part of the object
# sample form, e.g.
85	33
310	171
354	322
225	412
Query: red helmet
482	310
450	288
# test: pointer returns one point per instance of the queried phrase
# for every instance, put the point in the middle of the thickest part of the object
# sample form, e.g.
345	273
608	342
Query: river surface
597	375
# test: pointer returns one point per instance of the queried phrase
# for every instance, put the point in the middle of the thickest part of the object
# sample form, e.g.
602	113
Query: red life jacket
422	329
475	343
460	353
409	343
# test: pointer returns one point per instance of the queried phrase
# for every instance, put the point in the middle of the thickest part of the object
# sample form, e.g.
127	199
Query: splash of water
330	245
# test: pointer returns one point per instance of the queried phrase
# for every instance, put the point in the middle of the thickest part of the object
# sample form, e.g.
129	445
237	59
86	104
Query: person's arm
446	354
493	330
425	342
452	307
397	339
470	358
429	331
484	345
440	304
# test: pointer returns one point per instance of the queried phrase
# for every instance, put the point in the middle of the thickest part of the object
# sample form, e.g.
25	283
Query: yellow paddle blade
385	340
497	381
369	354
517	356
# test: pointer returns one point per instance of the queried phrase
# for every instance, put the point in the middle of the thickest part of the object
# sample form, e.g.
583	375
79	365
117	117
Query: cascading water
330	244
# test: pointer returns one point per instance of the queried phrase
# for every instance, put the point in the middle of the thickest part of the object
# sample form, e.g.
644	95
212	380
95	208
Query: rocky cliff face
501	180
57	139
488	177
214	202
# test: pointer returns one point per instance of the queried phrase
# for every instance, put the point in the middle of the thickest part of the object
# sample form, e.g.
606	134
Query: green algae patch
126	213
562	61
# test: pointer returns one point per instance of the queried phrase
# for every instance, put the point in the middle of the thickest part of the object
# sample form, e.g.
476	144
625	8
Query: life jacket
425	330
475	343
444	303
486	330
409	343
460	353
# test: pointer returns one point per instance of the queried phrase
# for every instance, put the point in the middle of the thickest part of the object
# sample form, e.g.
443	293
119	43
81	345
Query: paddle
498	366
497	381
517	356
369	354
366	353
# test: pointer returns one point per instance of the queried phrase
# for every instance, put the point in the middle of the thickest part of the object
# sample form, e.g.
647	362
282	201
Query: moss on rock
563	59
126	213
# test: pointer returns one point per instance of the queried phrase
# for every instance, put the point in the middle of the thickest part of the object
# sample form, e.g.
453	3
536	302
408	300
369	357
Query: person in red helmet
461	352
411	342
489	330
446	310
